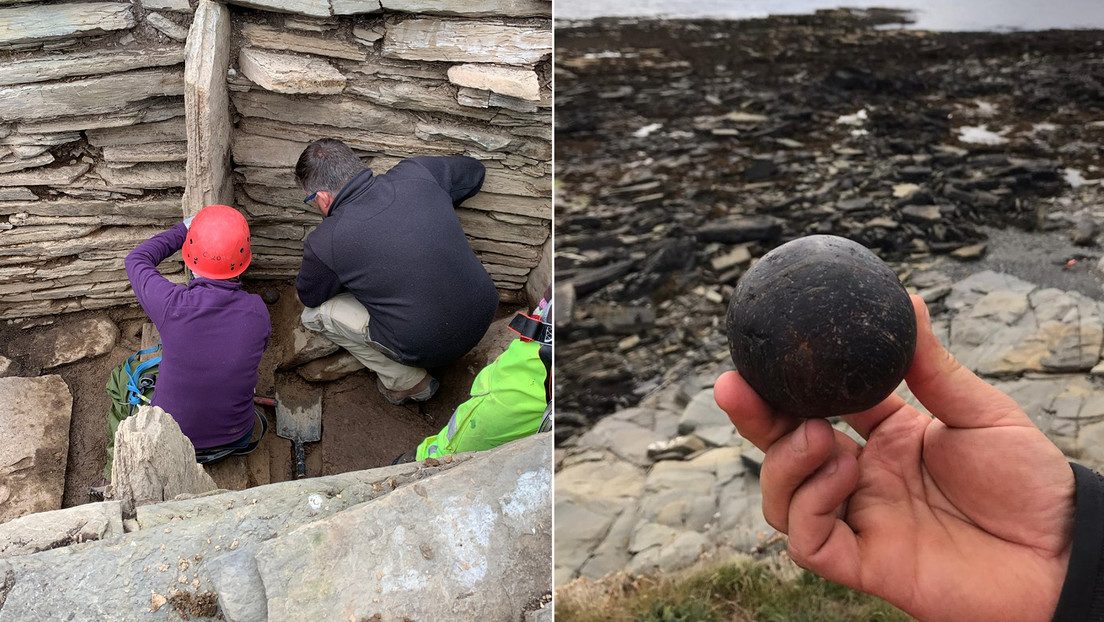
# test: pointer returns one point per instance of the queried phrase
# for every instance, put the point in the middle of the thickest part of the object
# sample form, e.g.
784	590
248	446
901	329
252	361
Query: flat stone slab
510	81
86	338
97	95
492	8
276	39
57	528
330	368
466	41
46	22
287	73
34	418
316	8
487	546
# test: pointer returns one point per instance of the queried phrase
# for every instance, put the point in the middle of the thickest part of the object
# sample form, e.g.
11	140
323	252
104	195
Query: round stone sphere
820	327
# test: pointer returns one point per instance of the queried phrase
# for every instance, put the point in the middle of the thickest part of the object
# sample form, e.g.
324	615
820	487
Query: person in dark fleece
389	274
213	332
971	515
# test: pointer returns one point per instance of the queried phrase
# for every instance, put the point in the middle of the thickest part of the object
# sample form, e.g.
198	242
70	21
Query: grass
741	591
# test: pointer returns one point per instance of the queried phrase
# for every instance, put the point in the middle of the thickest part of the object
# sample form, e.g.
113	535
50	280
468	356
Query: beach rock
154	461
35	414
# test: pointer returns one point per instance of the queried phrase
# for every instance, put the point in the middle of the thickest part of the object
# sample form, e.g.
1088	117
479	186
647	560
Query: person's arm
1082	595
150	287
460	176
316	282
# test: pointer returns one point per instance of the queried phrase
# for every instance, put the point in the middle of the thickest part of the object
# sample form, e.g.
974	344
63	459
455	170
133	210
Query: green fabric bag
121	406
508	401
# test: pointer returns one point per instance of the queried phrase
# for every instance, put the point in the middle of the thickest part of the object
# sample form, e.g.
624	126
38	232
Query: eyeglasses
310	198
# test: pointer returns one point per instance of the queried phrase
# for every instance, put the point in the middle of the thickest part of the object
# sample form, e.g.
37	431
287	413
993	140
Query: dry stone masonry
117	119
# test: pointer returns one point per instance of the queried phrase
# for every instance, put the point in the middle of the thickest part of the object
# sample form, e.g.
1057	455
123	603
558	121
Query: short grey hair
326	165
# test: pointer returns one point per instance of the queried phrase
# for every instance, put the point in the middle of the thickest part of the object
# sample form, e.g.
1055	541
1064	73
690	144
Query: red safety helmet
217	246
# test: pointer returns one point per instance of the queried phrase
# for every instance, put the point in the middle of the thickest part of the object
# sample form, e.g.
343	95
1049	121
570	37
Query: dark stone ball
270	295
820	327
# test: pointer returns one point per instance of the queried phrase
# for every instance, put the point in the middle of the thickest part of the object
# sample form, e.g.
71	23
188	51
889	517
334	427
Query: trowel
299	419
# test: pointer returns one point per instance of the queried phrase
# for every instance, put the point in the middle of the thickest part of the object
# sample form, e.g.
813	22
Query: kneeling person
388	274
213	333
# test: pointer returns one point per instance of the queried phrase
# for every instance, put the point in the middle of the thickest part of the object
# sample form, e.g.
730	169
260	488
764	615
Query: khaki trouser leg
345	322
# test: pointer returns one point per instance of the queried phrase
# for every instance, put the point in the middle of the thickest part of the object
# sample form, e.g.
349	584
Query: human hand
967	516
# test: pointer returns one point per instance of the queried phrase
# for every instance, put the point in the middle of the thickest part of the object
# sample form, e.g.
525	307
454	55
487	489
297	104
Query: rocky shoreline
686	149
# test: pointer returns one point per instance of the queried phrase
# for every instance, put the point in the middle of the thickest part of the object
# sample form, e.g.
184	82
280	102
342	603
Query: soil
360	430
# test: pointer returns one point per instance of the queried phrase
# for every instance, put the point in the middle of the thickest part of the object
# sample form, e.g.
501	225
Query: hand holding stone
967	516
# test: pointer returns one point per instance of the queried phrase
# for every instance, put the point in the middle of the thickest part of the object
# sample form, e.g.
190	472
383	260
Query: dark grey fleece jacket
394	241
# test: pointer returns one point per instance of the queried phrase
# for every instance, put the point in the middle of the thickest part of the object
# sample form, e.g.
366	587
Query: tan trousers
345	322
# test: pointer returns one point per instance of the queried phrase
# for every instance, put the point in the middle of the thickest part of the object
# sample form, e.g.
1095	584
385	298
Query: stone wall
108	110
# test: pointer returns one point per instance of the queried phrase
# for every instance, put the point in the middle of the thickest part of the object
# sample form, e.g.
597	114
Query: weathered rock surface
34	414
237	547
7	367
154	461
307	345
512	8
35	69
167	5
207	109
275	39
330	368
494	539
88	96
58	528
46	22
172	130
520	83
86	338
466	41
167	26
287	73
345	112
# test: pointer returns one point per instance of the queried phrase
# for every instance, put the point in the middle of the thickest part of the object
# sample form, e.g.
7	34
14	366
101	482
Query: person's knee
311	317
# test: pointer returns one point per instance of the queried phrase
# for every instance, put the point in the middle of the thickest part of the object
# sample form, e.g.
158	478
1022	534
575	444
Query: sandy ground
359	429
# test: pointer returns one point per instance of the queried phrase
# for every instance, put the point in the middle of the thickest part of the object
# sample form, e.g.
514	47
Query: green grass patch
741	591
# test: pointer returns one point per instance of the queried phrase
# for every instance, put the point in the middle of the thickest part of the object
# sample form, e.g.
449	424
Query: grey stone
46	22
494	8
466	41
368	35
54	176
345	112
240	590
494	226
20	165
154	461
922	214
612	554
1084	232
253	150
161	208
181	6
167	26
307	345
57	528
686	548
114	579
704	418
25	235
287	73
275	39
627	440
148	111
172	130
651	535
207	109
8	367
330	368
86	338
35	414
156	152
147	175
495	538
973	251
97	95
479	98
509	81
17	194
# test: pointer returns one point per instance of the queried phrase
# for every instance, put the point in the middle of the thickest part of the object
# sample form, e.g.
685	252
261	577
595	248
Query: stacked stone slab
96	149
92	148
402	79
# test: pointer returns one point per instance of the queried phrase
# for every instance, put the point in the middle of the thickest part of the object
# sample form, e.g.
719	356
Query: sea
942	15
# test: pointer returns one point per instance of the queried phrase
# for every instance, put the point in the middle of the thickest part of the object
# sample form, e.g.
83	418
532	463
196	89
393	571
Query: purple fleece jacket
213	334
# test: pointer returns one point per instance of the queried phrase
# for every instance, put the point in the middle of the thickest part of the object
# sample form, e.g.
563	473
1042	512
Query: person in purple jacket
388	274
213	333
